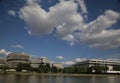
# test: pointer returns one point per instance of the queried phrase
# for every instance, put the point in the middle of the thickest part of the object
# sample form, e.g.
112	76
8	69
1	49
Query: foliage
85	69
54	70
43	68
75	69
23	66
4	67
100	69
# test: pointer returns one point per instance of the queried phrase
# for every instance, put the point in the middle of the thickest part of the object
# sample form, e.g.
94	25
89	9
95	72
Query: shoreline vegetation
51	74
26	69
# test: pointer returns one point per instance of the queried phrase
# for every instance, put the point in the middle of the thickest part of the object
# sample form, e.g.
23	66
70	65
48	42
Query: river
58	79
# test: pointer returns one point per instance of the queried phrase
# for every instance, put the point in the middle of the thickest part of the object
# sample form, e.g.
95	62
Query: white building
57	65
3	61
36	62
111	64
13	59
45	60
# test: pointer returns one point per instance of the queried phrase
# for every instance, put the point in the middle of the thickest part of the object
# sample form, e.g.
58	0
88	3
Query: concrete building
45	60
95	62
35	62
3	62
57	65
14	58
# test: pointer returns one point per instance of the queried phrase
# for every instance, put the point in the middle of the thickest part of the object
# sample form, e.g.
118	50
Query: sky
66	31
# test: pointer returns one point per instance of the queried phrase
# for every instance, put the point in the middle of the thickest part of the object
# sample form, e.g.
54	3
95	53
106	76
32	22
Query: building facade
57	65
14	58
45	60
3	62
111	64
36	62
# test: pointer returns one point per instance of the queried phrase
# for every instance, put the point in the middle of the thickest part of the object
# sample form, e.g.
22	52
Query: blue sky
66	31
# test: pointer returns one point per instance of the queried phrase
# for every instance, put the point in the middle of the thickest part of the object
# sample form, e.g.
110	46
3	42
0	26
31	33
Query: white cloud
42	22
73	61
111	36
69	38
63	15
96	35
68	63
36	18
79	59
59	57
103	22
4	52
83	6
18	46
70	25
11	12
81	3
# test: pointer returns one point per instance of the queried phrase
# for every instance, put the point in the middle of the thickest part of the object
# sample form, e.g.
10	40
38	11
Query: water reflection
113	79
57	79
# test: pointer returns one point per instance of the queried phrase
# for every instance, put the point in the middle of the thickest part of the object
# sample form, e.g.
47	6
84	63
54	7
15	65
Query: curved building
2	62
14	58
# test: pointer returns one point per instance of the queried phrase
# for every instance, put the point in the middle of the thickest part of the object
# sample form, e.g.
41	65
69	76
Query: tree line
85	69
45	68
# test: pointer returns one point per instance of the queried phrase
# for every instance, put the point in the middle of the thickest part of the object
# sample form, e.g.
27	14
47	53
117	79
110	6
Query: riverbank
53	74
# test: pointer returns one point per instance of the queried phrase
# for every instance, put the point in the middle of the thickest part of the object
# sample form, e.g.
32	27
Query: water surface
58	79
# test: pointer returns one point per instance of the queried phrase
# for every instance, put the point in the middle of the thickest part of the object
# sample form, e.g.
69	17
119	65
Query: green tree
47	68
44	68
4	67
23	66
69	70
47	65
54	70
100	69
104	69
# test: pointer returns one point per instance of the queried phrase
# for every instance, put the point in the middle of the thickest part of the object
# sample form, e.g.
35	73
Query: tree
44	68
23	66
54	70
47	65
100	69
47	68
4	67
104	69
69	70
